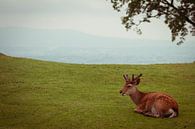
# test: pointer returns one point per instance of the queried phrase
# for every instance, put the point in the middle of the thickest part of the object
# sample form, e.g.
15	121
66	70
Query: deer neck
137	96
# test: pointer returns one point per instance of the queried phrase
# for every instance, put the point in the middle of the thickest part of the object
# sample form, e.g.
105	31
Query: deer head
130	84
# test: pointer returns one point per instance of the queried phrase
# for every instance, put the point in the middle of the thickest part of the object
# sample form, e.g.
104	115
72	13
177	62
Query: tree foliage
179	15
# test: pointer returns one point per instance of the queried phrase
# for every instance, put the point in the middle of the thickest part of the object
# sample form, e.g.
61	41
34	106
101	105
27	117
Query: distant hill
77	47
2	54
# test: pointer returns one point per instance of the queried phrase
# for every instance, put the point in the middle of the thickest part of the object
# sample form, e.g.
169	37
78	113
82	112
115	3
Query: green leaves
179	15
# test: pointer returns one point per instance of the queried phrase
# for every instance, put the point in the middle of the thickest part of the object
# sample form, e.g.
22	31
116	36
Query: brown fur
153	104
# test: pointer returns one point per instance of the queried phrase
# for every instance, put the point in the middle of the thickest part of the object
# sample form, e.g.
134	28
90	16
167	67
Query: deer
152	104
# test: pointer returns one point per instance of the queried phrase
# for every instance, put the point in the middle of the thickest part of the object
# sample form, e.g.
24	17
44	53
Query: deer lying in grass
152	104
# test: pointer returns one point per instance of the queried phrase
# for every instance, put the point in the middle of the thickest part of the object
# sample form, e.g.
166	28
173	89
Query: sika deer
152	104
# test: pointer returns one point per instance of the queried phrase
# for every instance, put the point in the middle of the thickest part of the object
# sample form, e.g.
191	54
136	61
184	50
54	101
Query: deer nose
120	91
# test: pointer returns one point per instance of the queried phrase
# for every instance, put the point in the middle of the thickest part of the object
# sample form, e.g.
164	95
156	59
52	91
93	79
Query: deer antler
137	79
126	77
132	77
140	75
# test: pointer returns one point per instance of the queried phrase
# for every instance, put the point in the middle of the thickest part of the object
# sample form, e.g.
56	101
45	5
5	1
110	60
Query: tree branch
172	2
181	13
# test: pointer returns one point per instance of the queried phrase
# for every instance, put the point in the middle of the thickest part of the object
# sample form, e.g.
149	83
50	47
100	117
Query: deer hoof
138	110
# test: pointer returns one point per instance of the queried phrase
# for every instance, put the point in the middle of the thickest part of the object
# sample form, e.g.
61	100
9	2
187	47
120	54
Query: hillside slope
43	95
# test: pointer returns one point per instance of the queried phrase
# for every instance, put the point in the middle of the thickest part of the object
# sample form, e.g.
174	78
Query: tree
179	15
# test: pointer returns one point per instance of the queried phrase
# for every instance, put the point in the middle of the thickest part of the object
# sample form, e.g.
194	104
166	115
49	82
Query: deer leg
151	114
148	114
138	110
141	109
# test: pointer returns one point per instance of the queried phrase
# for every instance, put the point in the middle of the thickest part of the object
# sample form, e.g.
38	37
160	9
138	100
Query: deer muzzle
121	92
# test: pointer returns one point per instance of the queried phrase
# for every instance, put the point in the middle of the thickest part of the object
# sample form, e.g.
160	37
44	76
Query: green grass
47	95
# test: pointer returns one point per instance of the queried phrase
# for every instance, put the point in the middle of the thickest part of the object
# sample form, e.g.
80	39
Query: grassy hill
47	95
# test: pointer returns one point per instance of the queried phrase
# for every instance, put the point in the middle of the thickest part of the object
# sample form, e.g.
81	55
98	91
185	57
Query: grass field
47	95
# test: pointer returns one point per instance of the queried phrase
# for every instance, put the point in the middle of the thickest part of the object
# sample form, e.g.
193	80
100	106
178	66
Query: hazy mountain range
76	47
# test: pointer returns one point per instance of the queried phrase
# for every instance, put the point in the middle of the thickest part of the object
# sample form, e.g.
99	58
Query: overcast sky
95	17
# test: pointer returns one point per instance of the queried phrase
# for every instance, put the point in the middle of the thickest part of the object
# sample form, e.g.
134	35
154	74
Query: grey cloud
52	6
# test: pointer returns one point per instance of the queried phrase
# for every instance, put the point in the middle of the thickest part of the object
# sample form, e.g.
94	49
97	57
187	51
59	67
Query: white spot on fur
153	110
